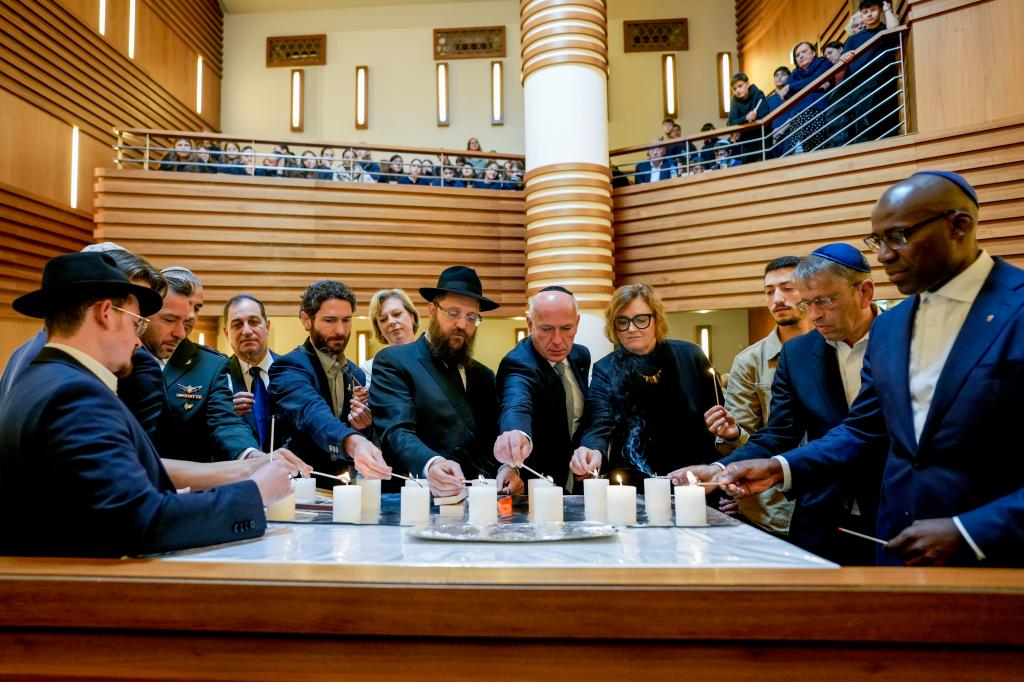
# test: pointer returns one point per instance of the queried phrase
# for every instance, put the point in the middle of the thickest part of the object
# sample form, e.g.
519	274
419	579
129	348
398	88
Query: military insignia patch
189	393
188	406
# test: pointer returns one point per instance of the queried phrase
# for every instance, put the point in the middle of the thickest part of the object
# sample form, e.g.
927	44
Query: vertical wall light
362	95
442	94
724	91
497	94
103	17
362	346
298	95
199	84
73	198
668	85
131	29
704	339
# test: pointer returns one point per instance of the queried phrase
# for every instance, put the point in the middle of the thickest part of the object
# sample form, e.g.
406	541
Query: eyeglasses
141	323
638	321
472	319
824	302
896	238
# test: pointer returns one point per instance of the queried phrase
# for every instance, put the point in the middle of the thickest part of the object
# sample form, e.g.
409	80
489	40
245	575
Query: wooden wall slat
272	238
703	240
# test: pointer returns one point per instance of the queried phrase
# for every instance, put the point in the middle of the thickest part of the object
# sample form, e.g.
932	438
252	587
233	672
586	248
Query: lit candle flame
481	477
618	478
550	479
690	478
345	478
595	473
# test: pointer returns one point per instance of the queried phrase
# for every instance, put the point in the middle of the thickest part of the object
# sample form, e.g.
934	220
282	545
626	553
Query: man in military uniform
202	425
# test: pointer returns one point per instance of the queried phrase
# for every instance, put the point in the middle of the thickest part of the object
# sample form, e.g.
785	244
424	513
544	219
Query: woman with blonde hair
647	399
394	320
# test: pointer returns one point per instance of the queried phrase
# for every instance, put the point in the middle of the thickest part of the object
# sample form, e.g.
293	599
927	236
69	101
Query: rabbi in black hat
434	406
63	423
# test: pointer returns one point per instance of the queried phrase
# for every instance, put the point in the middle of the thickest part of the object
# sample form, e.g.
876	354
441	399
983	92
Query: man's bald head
553	320
937	217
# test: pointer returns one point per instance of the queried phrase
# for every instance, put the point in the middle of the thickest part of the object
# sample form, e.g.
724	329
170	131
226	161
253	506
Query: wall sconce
442	94
103	17
362	86
520	334
131	29
724	89
199	84
704	339
73	198
497	94
298	85
668	85
362	346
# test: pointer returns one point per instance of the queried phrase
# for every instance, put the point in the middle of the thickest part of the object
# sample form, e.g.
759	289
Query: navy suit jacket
238	384
964	465
421	411
532	400
301	398
808	398
643	171
62	425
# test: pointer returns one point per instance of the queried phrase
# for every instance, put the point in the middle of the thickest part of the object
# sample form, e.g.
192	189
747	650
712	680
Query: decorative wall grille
656	35
469	43
297	50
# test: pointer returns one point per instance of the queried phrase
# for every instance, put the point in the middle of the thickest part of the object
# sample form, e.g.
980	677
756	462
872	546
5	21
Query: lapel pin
990	318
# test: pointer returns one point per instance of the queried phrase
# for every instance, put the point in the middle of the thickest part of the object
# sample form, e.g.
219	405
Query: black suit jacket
301	397
203	425
63	425
420	411
808	398
531	399
238	384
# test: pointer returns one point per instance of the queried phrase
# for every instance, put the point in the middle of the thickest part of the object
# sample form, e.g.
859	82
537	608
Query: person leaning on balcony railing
491	178
872	77
415	176
326	163
231	160
181	159
657	167
807	118
394	171
478	163
429	172
369	166
775	100
448	178
204	160
349	169
748	105
248	160
707	149
514	176
467	173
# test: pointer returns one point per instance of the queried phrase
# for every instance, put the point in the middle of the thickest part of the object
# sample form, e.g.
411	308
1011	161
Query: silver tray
513	532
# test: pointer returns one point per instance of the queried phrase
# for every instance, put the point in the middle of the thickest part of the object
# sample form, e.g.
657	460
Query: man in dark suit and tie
542	387
319	393
63	423
434	406
247	328
943	378
656	167
816	380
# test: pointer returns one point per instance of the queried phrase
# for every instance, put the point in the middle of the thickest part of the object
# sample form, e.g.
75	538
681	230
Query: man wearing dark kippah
542	387
816	381
943	383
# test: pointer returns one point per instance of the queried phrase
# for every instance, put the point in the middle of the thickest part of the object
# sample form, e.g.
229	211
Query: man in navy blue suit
542	387
248	329
943	380
319	393
64	424
816	381
656	167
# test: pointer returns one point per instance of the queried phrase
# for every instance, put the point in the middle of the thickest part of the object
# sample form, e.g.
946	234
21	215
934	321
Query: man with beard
65	425
201	424
435	408
319	393
748	397
817	379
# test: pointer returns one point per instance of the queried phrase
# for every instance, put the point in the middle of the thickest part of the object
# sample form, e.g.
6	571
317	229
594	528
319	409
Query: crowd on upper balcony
350	165
857	103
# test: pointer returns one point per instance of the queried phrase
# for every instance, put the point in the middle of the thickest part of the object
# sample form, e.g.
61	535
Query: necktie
260	407
570	408
338	397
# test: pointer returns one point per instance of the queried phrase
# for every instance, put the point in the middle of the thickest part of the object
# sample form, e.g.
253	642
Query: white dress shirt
851	360
264	366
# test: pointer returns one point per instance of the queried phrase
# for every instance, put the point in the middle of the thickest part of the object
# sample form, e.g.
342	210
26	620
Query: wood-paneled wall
703	240
272	237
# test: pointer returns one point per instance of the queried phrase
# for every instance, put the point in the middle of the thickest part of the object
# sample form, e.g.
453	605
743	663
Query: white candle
348	503
485	482
658	499
415	505
305	490
283	509
483	504
532	485
690	507
548	507
595	499
621	504
371	493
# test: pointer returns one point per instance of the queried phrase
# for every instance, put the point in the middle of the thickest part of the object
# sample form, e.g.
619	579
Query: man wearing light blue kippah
943	381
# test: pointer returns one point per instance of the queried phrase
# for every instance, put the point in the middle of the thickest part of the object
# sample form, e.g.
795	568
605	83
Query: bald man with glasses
943	385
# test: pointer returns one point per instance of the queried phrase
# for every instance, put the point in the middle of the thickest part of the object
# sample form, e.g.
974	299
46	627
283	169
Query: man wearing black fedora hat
64	424
434	407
